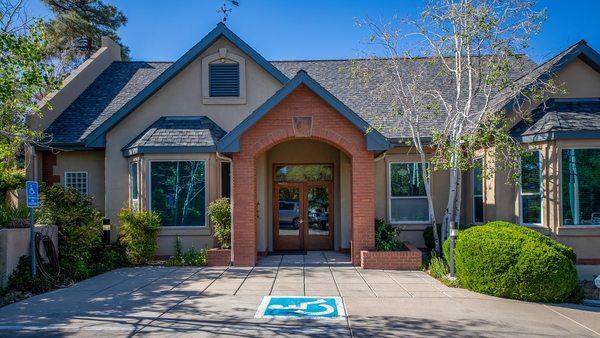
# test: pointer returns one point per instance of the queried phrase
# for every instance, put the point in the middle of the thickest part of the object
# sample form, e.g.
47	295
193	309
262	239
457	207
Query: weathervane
227	8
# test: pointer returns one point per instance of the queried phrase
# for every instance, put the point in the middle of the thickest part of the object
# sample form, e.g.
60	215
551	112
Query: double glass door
303	214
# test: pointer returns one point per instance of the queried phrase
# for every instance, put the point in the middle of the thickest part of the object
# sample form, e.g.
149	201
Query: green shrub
508	260
10	179
79	223
437	267
219	212
546	240
385	237
192	257
22	280
139	231
9	214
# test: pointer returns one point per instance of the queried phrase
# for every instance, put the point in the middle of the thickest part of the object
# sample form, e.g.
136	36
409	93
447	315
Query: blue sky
160	30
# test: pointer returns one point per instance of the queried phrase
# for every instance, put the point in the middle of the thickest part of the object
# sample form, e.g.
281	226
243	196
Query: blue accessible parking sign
33	199
301	307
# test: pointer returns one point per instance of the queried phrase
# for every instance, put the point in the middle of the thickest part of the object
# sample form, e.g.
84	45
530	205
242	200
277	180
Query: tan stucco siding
181	96
579	79
91	162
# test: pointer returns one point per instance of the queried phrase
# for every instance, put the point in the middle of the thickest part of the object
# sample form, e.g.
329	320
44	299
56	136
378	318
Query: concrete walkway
177	302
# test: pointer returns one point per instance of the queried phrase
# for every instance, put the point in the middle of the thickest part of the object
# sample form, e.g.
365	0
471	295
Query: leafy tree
451	71
77	28
25	77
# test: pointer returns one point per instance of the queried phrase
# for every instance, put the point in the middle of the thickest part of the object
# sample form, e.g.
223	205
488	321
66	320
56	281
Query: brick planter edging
218	257
410	259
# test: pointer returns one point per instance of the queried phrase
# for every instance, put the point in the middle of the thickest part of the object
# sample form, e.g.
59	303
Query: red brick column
301	115
363	205
243	206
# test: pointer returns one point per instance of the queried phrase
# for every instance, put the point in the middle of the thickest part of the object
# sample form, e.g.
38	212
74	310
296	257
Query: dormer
223	78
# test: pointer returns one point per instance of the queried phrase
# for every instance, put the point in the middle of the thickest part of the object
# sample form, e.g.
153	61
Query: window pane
581	186
530	172
77	181
477	209
532	209
406	180
133	176
303	173
409	210
318	211
478	177
178	192
289	211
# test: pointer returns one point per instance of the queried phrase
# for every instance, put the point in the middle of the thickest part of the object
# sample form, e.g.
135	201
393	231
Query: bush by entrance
507	260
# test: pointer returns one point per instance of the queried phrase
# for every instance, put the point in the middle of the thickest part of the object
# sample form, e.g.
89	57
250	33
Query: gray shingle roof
118	84
372	97
121	81
197	133
559	116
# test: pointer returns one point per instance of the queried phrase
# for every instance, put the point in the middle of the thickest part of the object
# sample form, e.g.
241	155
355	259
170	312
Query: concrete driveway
176	302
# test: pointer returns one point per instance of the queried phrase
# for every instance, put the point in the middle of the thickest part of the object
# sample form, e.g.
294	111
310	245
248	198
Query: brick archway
302	114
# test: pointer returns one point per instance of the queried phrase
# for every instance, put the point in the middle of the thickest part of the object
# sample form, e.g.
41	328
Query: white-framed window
477	183
580	186
530	191
77	180
134	187
178	192
407	202
224	78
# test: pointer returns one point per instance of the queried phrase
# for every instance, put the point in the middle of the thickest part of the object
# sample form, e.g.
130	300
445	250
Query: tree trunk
427	181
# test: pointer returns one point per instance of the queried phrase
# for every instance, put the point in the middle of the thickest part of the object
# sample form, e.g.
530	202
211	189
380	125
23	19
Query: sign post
33	202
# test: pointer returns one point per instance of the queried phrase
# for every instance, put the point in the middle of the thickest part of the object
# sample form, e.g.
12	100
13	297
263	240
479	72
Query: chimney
113	48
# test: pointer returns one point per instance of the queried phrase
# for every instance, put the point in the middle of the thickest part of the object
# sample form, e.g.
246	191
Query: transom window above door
303	173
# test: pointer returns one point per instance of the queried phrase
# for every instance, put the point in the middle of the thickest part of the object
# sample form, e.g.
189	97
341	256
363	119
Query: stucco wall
182	96
91	162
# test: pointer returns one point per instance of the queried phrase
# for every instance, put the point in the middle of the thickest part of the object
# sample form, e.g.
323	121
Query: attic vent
224	79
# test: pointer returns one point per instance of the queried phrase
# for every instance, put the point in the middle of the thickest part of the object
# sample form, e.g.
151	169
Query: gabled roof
96	137
374	140
109	92
546	70
561	119
177	134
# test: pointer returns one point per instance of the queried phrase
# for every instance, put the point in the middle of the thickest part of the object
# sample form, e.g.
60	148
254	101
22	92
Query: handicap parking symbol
301	307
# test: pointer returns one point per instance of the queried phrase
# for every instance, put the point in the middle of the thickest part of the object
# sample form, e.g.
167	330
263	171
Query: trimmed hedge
507	260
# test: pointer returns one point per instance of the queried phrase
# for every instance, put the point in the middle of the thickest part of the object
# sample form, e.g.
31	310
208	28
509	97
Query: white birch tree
449	75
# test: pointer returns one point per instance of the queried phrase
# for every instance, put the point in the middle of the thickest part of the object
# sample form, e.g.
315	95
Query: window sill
184	231
224	100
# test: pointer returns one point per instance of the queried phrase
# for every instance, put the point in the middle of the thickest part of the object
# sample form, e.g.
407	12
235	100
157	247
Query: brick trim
410	259
277	126
48	163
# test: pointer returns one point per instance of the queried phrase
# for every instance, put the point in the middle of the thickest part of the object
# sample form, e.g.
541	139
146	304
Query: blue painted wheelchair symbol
301	307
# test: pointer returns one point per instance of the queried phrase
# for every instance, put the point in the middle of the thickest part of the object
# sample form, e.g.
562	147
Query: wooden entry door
302	215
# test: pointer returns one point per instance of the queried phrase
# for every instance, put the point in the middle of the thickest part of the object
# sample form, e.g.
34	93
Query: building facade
301	150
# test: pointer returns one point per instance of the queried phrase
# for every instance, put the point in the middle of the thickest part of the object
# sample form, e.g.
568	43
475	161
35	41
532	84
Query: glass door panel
319	216
289	220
